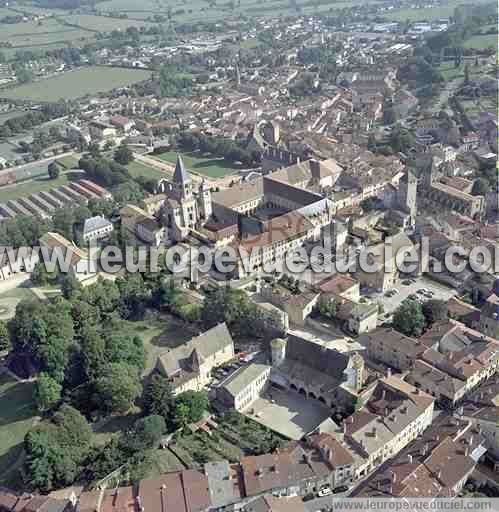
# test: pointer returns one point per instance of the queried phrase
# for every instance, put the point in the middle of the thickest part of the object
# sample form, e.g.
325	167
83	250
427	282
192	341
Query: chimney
388	373
383	394
394	476
409	457
344	427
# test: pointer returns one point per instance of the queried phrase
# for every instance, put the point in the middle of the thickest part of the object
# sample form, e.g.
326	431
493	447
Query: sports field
75	84
213	167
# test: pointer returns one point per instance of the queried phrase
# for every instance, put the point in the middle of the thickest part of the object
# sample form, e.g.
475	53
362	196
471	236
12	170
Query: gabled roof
180	175
187	357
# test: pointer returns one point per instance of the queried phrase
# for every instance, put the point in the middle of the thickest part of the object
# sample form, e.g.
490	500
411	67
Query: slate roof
180	175
94	223
186	357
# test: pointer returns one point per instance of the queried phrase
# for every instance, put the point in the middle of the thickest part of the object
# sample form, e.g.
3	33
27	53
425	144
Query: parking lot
288	413
390	304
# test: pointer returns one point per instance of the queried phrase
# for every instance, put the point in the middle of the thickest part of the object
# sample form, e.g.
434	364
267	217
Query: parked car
326	491
340	488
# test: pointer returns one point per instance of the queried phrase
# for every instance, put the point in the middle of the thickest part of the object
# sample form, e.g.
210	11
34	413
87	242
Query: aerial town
249	254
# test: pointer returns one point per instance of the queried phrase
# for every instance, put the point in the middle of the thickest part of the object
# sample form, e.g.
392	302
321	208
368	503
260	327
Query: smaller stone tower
278	351
205	207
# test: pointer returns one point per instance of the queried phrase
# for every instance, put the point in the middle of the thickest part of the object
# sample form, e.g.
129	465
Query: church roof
180	175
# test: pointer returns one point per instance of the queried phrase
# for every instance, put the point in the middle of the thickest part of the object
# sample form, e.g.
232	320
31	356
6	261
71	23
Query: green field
450	72
68	162
47	32
75	84
17	412
201	10
139	169
213	167
31	187
425	14
102	23
481	42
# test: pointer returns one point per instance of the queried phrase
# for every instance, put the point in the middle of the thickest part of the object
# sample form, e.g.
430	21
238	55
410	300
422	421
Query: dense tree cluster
105	172
56	450
33	118
235	309
412	318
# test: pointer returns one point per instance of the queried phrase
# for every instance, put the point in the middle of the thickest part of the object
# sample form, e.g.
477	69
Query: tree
480	187
435	311
54	170
328	309
409	318
55	450
47	392
147	432
70	286
118	387
159	397
466	74
196	402
41	276
44	331
4	337
233	307
181	415
123	155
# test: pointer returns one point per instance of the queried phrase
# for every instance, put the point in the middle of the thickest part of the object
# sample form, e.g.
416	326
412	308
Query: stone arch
293	386
302	391
312	395
322	399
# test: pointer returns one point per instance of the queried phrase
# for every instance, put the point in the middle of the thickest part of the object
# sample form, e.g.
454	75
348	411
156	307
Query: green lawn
139	169
164	461
482	42
17	414
32	33
30	187
105	431
425	14
158	334
450	72
213	167
102	23
69	162
75	84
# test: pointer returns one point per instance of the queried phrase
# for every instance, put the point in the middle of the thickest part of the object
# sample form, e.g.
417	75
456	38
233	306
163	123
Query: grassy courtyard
75	84
138	169
17	415
210	166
